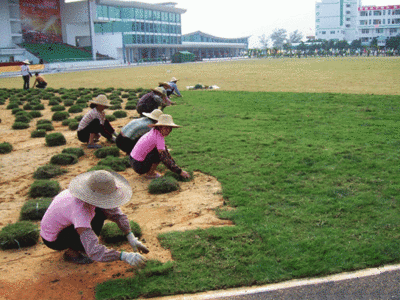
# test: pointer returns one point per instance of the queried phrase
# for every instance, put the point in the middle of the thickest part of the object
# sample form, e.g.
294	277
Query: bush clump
111	118
130	106
60	115
63	159
43	121
38	133
35	114
178	177
120	114
75	109
20	125
34	209
55	139
110	233
38	107
163	185
115	163
107	151
78	152
18	235
44	188
48	171
23	118
12	105
73	125
45	127
67	121
5	148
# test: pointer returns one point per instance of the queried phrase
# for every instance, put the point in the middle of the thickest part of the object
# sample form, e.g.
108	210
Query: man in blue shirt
173	90
132	131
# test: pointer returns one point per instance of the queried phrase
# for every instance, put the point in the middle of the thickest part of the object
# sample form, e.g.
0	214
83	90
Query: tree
295	37
393	42
264	41
342	45
278	37
356	44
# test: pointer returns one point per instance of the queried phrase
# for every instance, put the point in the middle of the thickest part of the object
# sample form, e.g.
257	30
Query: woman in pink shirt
150	150
76	216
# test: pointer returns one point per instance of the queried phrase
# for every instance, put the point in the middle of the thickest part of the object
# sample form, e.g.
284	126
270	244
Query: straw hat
174	79
154	115
26	62
160	90
164	84
101	100
165	120
101	188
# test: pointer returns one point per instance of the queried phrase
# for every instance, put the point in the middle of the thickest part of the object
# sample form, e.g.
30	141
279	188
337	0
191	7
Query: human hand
185	174
136	245
134	259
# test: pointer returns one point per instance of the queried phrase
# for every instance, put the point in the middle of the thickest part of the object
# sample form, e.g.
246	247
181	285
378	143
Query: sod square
44	188
63	159
38	133
20	125
58	108
5	148
163	185
55	139
78	152
111	233
60	115
18	235
116	163
46	127
120	114
107	151
34	209
48	171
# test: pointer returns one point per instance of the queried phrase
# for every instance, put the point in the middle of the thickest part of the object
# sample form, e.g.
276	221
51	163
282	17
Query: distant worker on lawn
134	130
76	216
152	100
40	82
150	150
94	123
26	74
173	90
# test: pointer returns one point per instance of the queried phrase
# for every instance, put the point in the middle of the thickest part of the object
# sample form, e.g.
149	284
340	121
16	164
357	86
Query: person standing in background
26	74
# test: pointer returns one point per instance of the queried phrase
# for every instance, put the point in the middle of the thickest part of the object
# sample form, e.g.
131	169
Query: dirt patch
40	273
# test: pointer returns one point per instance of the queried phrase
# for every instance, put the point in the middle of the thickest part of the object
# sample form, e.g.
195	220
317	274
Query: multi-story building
349	20
336	19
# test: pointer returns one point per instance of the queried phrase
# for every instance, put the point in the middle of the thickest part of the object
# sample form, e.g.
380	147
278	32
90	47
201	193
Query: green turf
313	179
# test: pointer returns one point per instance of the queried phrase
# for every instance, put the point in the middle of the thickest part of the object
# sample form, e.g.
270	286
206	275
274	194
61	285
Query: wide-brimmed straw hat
164	84
101	100
160	90
101	188
174	79
154	115
26	62
165	120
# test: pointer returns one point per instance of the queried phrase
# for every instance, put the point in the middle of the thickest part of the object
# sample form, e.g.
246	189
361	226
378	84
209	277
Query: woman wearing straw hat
173	90
94	123
150	150
76	216
26	74
132	131
149	102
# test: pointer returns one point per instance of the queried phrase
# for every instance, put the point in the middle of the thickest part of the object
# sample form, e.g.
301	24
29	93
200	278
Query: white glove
134	259
136	245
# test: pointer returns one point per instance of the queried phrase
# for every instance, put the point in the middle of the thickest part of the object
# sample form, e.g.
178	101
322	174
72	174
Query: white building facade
349	20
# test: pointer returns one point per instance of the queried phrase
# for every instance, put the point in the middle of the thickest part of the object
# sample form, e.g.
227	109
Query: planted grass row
312	179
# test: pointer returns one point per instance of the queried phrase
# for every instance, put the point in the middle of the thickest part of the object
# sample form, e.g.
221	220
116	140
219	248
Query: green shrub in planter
12	105
38	133
55	139
110	233
60	115
78	152
23	118
116	163
73	125
5	148
46	127
178	177
120	114
43	121
75	109
18	235
35	114
20	125
44	188
111	118
15	110
38	107
63	159
163	185
58	108
48	171
34	209
107	151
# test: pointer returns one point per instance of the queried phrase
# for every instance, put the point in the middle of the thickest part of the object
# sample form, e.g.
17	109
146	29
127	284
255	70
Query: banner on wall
41	21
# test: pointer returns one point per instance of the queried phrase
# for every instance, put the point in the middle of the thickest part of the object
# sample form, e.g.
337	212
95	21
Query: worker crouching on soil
152	100
76	216
150	150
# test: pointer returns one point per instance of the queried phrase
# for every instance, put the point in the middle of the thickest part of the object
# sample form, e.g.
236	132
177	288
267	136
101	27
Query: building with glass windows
349	20
207	46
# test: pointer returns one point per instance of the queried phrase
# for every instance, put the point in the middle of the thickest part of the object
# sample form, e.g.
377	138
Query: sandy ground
40	273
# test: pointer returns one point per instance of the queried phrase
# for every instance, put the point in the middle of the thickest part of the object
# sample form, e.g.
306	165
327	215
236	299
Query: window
370	12
333	32
139	13
393	30
384	12
379	30
377	13
347	25
383	21
348	12
102	11
364	31
323	32
376	22
114	12
369	21
388	21
348	19
396	12
364	40
348	5
364	22
363	13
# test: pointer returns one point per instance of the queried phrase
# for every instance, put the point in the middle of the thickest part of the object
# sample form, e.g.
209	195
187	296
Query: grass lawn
354	75
312	178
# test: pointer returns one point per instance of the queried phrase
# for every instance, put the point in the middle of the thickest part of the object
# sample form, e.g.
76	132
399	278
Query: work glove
136	245
134	259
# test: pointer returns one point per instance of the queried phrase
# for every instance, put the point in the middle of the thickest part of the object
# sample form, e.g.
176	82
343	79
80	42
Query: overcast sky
252	17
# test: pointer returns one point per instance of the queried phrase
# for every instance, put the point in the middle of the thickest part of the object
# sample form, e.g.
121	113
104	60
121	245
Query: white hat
165	120
26	62
101	188
154	115
160	90
174	79
101	100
